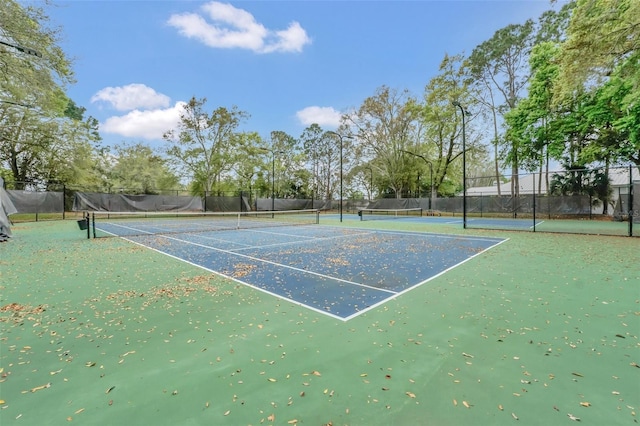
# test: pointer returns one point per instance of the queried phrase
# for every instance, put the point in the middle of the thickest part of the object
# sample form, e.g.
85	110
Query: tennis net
382	214
123	224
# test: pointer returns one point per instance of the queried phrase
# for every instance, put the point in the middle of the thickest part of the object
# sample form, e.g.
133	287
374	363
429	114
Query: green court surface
540	330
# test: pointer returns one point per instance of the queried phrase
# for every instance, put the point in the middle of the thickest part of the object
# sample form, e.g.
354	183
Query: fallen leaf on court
410	394
271	379
316	373
466	404
226	413
293	422
271	418
585	404
574	418
37	388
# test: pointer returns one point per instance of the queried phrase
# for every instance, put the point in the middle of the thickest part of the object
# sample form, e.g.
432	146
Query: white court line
396	295
435	234
393	294
336	237
262	230
276	295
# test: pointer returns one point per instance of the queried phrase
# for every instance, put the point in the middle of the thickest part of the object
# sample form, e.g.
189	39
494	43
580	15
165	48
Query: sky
287	64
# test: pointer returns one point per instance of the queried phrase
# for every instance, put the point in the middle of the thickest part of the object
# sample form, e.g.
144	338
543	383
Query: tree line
562	89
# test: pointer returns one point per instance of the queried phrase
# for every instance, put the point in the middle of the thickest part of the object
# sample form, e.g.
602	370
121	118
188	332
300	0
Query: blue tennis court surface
481	222
341	272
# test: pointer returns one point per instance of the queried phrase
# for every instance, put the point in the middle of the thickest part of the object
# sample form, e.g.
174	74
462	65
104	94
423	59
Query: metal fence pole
630	201
534	203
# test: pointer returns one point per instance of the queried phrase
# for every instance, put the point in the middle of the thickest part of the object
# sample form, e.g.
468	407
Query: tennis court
340	272
418	216
540	329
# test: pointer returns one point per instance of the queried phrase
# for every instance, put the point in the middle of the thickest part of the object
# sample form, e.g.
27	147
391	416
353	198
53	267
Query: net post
317	216
88	222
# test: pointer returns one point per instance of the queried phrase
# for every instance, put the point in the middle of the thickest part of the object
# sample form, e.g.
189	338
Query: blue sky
286	63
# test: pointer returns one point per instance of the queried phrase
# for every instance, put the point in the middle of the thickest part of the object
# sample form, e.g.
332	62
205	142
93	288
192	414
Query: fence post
630	201
534	204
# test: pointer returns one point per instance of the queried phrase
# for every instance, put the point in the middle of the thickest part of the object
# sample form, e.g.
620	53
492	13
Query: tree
440	124
248	159
42	132
204	144
599	70
33	67
499	65
534	123
46	149
138	170
602	34
384	126
318	150
285	149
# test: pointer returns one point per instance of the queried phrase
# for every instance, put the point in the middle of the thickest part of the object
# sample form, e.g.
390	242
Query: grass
543	328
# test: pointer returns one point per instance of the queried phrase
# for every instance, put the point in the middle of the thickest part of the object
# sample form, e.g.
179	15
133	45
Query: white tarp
6	209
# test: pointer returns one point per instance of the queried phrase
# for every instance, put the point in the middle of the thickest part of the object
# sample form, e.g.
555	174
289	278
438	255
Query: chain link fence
596	201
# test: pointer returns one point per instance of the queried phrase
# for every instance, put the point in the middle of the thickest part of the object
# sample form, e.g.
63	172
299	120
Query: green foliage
204	144
138	170
385	126
565	88
594	183
601	35
44	136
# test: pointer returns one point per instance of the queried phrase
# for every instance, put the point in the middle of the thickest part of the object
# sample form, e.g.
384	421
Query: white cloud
130	97
149	124
323	116
236	28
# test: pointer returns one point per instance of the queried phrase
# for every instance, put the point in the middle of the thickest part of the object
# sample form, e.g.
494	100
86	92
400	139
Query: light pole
430	173
464	166
273	180
340	137
273	175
